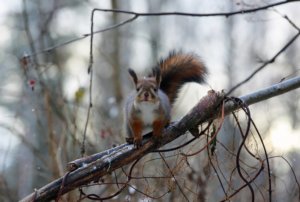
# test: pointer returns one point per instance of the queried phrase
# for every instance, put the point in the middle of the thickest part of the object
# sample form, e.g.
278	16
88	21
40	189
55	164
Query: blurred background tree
45	89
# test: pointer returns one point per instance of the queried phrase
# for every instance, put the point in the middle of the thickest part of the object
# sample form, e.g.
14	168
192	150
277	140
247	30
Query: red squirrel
149	105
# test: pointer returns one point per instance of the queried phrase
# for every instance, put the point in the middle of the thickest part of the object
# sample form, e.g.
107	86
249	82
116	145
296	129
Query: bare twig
288	44
154	14
217	14
292	170
173	176
266	159
90	69
247	111
212	137
28	32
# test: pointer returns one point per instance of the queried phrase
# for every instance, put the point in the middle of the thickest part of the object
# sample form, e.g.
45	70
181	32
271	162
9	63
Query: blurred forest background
45	91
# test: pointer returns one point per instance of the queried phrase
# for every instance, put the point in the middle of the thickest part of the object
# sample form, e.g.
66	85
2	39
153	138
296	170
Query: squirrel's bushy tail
179	68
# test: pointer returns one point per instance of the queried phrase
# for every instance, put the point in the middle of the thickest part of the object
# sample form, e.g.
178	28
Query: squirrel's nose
146	94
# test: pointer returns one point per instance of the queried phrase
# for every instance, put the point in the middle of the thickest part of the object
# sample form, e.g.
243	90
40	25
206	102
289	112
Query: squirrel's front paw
137	142
129	140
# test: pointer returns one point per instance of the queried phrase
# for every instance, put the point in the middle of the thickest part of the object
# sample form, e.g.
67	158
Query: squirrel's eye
138	89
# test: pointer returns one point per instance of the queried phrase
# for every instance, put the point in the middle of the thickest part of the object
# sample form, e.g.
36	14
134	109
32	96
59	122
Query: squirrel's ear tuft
157	75
133	75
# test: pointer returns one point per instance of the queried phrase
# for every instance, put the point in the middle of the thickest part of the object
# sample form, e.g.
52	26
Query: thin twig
267	159
290	42
90	71
216	172
186	143
217	14
173	177
213	136
293	172
144	14
238	166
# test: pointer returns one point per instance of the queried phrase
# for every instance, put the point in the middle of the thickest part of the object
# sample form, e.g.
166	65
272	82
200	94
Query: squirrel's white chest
148	112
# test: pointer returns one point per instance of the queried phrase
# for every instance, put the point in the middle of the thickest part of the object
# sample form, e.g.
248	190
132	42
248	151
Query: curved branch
86	170
288	44
217	14
141	14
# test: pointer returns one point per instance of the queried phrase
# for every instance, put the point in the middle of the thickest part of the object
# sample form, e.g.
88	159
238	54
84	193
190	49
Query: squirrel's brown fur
150	104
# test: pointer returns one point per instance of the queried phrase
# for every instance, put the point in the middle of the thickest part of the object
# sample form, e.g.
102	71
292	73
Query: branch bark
88	169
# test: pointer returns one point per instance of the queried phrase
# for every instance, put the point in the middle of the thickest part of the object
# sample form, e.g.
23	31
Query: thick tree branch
92	168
